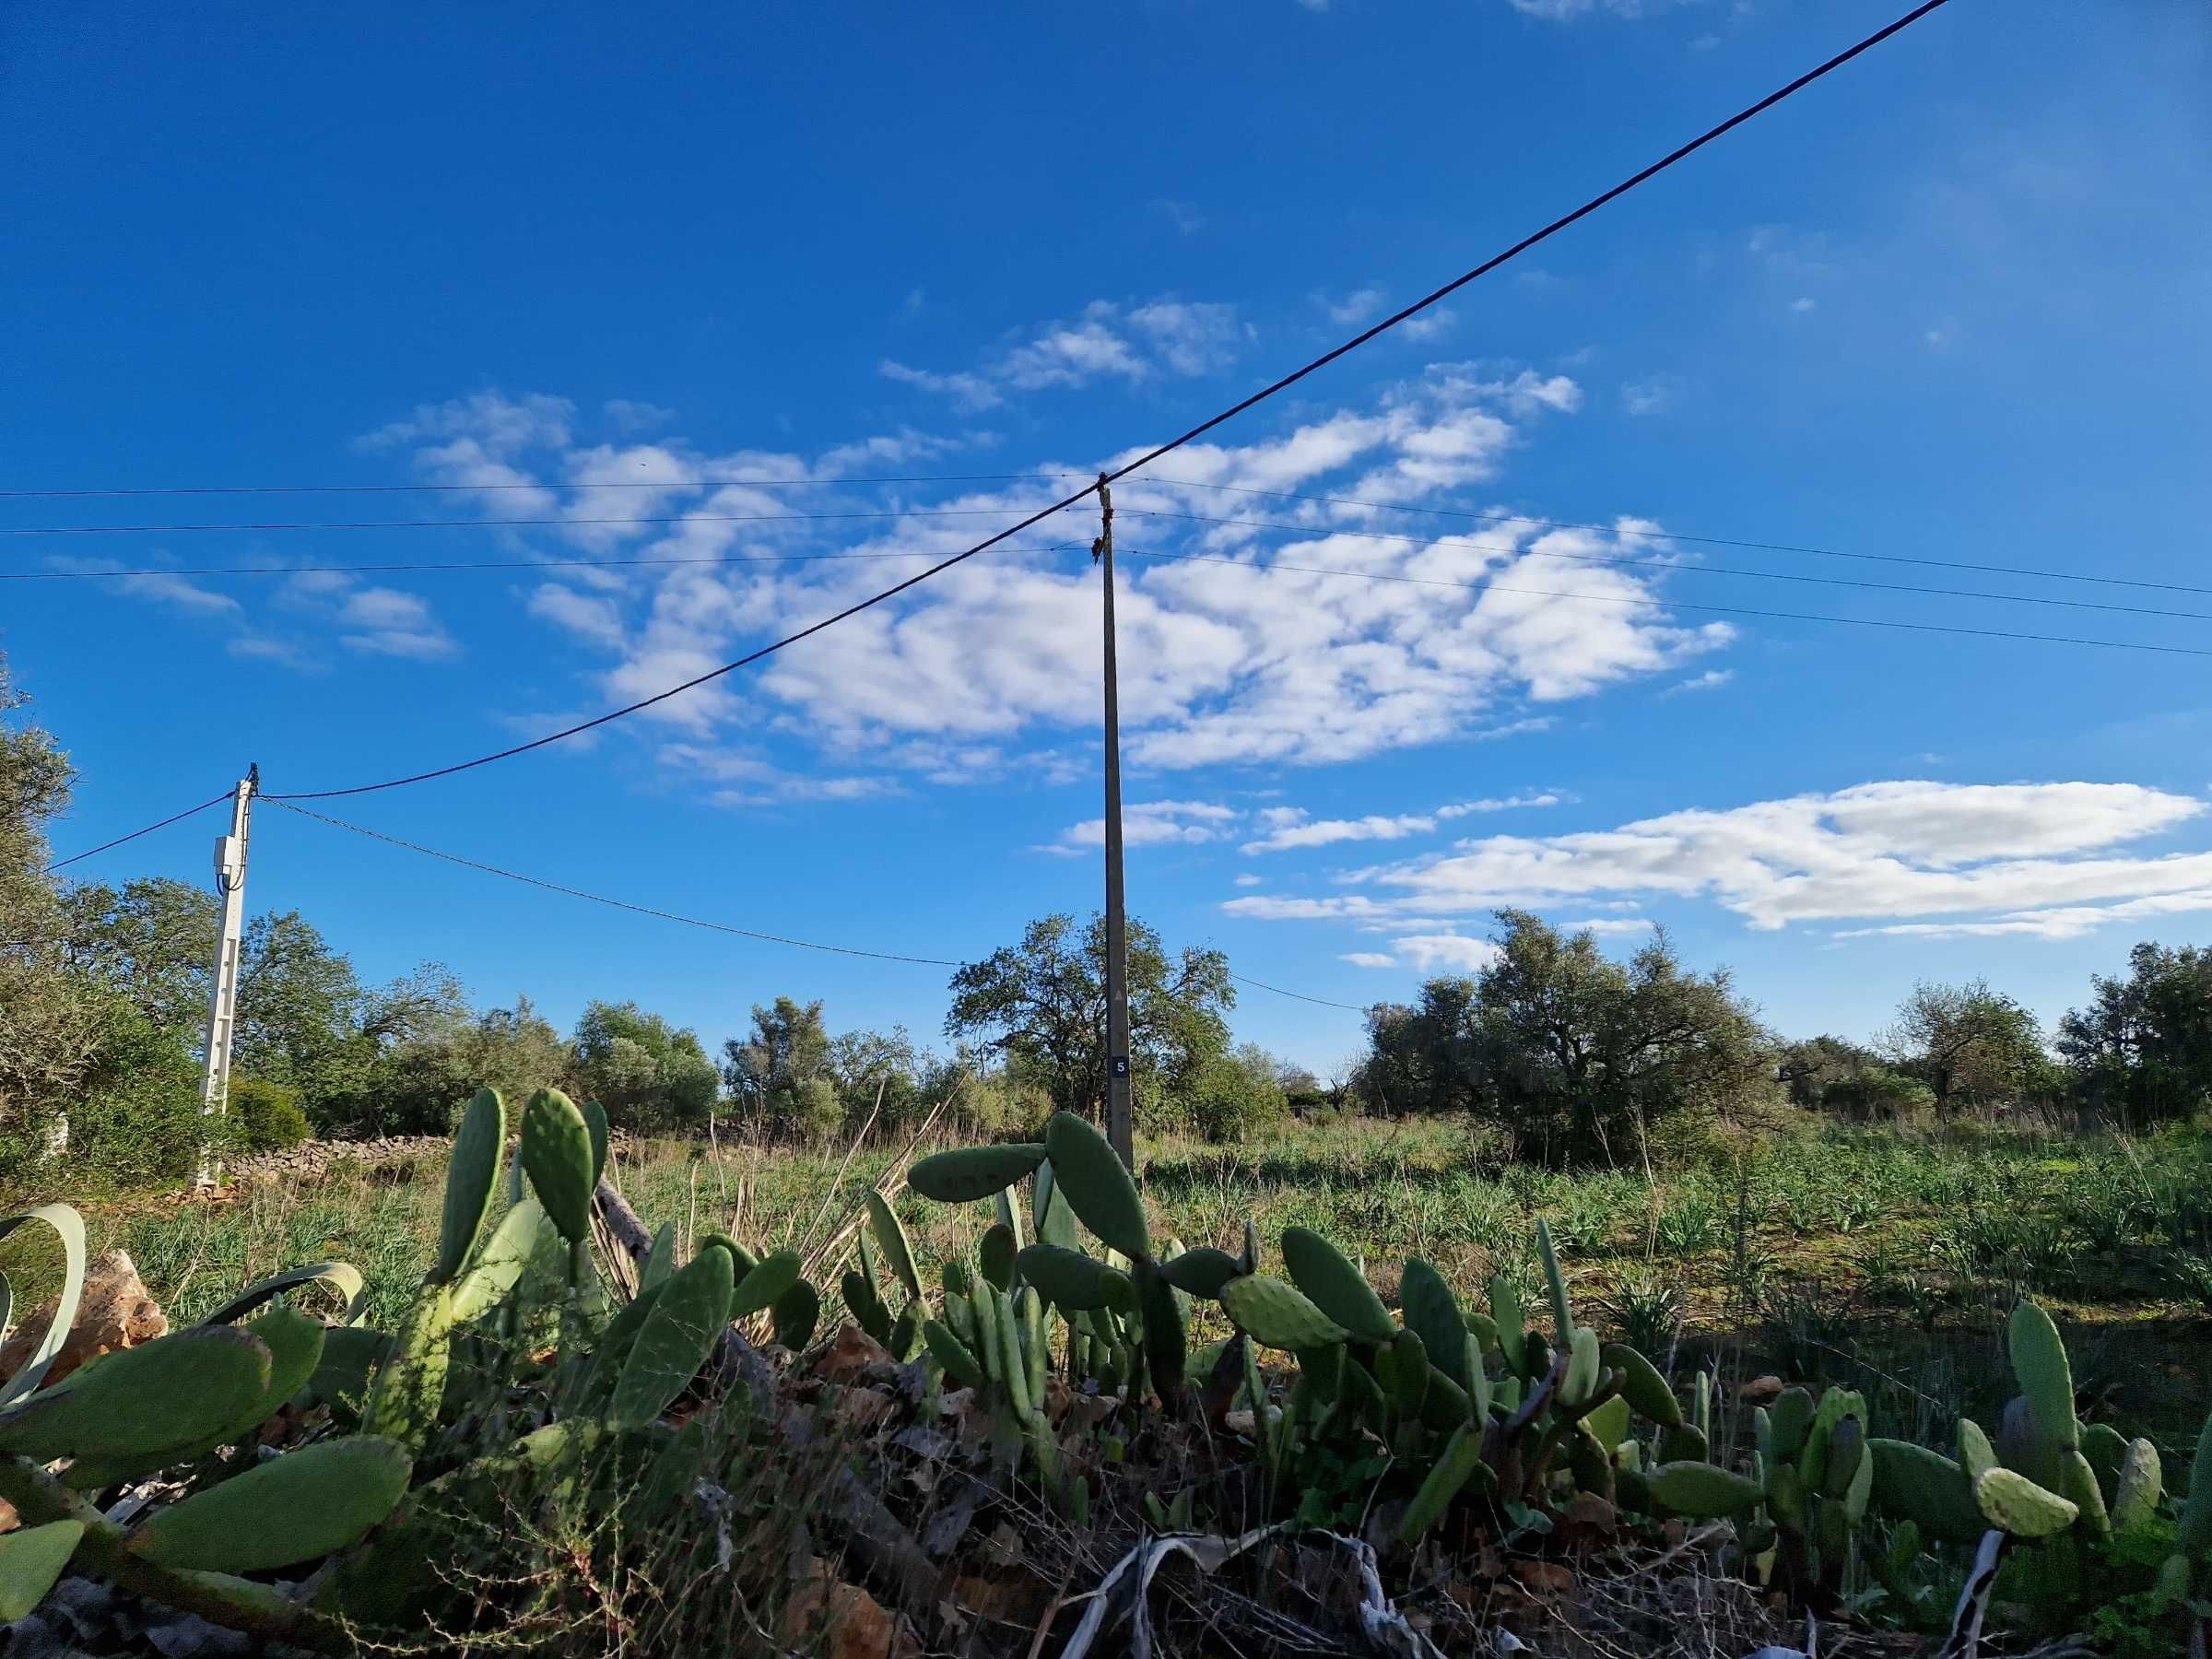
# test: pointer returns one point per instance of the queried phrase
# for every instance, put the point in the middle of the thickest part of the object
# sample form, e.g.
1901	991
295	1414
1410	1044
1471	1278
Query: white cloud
1903	849
1369	958
1289	828
155	586
1250	880
966	391
1431	324
1607	925
591	618
993	666
1184	215
1712	679
1353	308
1109	341
387	622
1566	11
1653	397
631	415
1151	824
1425	952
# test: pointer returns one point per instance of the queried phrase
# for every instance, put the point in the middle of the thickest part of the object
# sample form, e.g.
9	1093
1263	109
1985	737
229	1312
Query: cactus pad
677	1335
1641	1385
30	1561
1201	1272
479	1147
2015	1504
1276	1314
795	1314
556	1154
294	1507
1089	1175
2038	1360
764	1282
1334	1286
968	1173
176	1390
890	1234
1453	1468
1703	1490
1431	1311
1068	1279
2135	1493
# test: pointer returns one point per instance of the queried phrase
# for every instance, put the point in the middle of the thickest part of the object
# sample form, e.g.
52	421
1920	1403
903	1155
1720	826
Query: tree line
1567	1055
1574	1057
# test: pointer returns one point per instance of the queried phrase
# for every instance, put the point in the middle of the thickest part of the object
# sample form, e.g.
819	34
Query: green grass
1860	1255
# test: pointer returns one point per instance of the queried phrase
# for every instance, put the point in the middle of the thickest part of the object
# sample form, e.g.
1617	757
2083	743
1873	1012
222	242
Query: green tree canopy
1573	1057
2143	1046
648	1074
1041	1006
1970	1045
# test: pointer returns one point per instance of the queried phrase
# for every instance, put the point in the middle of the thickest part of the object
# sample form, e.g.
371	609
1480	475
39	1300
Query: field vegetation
1578	1302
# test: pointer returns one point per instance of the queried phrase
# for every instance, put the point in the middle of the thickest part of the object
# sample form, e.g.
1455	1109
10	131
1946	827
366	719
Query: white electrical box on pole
1120	1128
222	999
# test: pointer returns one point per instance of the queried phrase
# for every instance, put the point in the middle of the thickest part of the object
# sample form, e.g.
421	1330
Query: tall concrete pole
222	1000
1120	1128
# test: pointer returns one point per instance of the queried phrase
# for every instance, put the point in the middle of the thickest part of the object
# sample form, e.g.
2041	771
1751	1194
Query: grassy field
1878	1259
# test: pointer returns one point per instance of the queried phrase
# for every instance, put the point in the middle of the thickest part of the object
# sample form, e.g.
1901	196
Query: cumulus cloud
1109	341
387	622
1290	828
1425	952
1653	397
179	593
1241	642
2017	857
1151	824
1369	958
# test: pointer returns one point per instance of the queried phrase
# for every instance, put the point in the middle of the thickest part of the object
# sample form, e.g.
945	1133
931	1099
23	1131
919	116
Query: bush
1878	1095
269	1115
138	1122
1231	1098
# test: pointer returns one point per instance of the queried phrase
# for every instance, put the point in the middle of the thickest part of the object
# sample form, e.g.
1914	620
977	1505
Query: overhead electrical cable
1631	562
275	526
174	818
623	904
1238	408
419	567
1502	515
1300	995
1719	610
783	483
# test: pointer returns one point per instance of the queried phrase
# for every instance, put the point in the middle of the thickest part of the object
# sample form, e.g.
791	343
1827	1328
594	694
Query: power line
1300	995
1628	561
286	527
623	904
469	564
1720	610
1498	515
1265	392
256	489
174	818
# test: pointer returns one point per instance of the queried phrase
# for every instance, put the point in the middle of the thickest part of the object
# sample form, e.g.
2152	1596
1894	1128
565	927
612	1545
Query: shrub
1231	1098
269	1115
1877	1094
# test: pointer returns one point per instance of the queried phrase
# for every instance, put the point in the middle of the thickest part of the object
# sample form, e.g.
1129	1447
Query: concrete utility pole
222	1000
1120	1130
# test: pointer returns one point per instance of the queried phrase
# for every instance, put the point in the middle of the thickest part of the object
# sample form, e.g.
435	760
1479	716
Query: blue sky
1954	304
